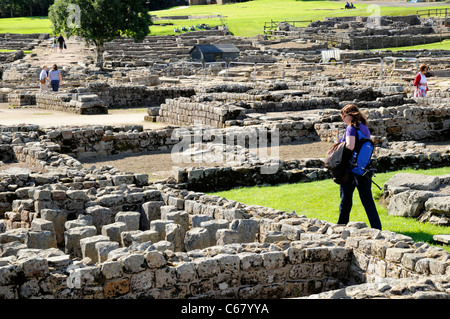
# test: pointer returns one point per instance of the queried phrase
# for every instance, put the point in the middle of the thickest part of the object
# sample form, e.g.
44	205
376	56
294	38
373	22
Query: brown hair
354	112
422	67
55	67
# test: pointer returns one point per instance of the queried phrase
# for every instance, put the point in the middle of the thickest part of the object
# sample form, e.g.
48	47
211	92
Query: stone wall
107	234
184	111
22	98
119	96
419	196
256	252
74	103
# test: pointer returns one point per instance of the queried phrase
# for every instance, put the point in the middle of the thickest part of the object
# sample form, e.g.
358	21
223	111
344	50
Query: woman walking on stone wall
355	121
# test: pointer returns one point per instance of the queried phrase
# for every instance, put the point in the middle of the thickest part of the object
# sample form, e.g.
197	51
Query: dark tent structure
214	52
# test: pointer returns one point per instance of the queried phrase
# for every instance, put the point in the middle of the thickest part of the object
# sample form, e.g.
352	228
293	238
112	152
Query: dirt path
160	165
48	118
76	52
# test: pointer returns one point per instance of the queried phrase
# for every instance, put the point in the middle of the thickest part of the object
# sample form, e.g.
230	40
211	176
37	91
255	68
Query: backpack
362	154
360	162
337	161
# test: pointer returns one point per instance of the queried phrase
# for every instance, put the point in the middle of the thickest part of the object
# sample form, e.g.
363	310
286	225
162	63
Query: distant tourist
55	44
55	78
420	82
43	79
62	43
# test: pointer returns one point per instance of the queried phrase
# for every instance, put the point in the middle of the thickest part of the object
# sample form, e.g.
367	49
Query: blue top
54	75
42	75
351	131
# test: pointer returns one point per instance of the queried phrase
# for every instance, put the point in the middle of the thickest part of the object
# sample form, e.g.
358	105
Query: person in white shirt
43	79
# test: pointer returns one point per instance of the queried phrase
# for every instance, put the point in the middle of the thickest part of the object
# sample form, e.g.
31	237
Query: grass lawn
25	25
321	200
247	18
242	19
444	45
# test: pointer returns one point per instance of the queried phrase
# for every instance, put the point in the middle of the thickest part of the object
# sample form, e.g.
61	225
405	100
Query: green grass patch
321	200
248	18
242	19
443	45
25	25
24	51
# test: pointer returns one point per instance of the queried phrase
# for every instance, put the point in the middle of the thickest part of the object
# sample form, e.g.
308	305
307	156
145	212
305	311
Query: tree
100	21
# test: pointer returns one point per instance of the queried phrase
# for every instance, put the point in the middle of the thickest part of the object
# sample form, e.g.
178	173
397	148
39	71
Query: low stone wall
184	111
400	123
74	103
22	98
256	252
423	197
119	96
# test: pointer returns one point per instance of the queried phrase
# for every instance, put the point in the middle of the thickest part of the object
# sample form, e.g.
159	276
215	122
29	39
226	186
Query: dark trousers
55	85
364	185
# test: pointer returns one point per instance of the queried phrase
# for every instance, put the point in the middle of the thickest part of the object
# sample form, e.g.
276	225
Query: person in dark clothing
61	43
354	120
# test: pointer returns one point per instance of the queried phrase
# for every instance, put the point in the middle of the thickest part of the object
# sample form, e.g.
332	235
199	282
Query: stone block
396	254
413	181
73	236
317	254
42	195
84	277
88	246
111	269
207	267
409	203
131	219
196	220
159	226
178	217
78	195
186	272
150	211
213	226
248	229
175	234
40	239
291	232
138	237
100	216
110	200
114	230
273	260
123	179
228	263
227	236
196	238
103	248
177	202
81	221
439	204
409	260
141	179
133	263
155	259
34	267
58	218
